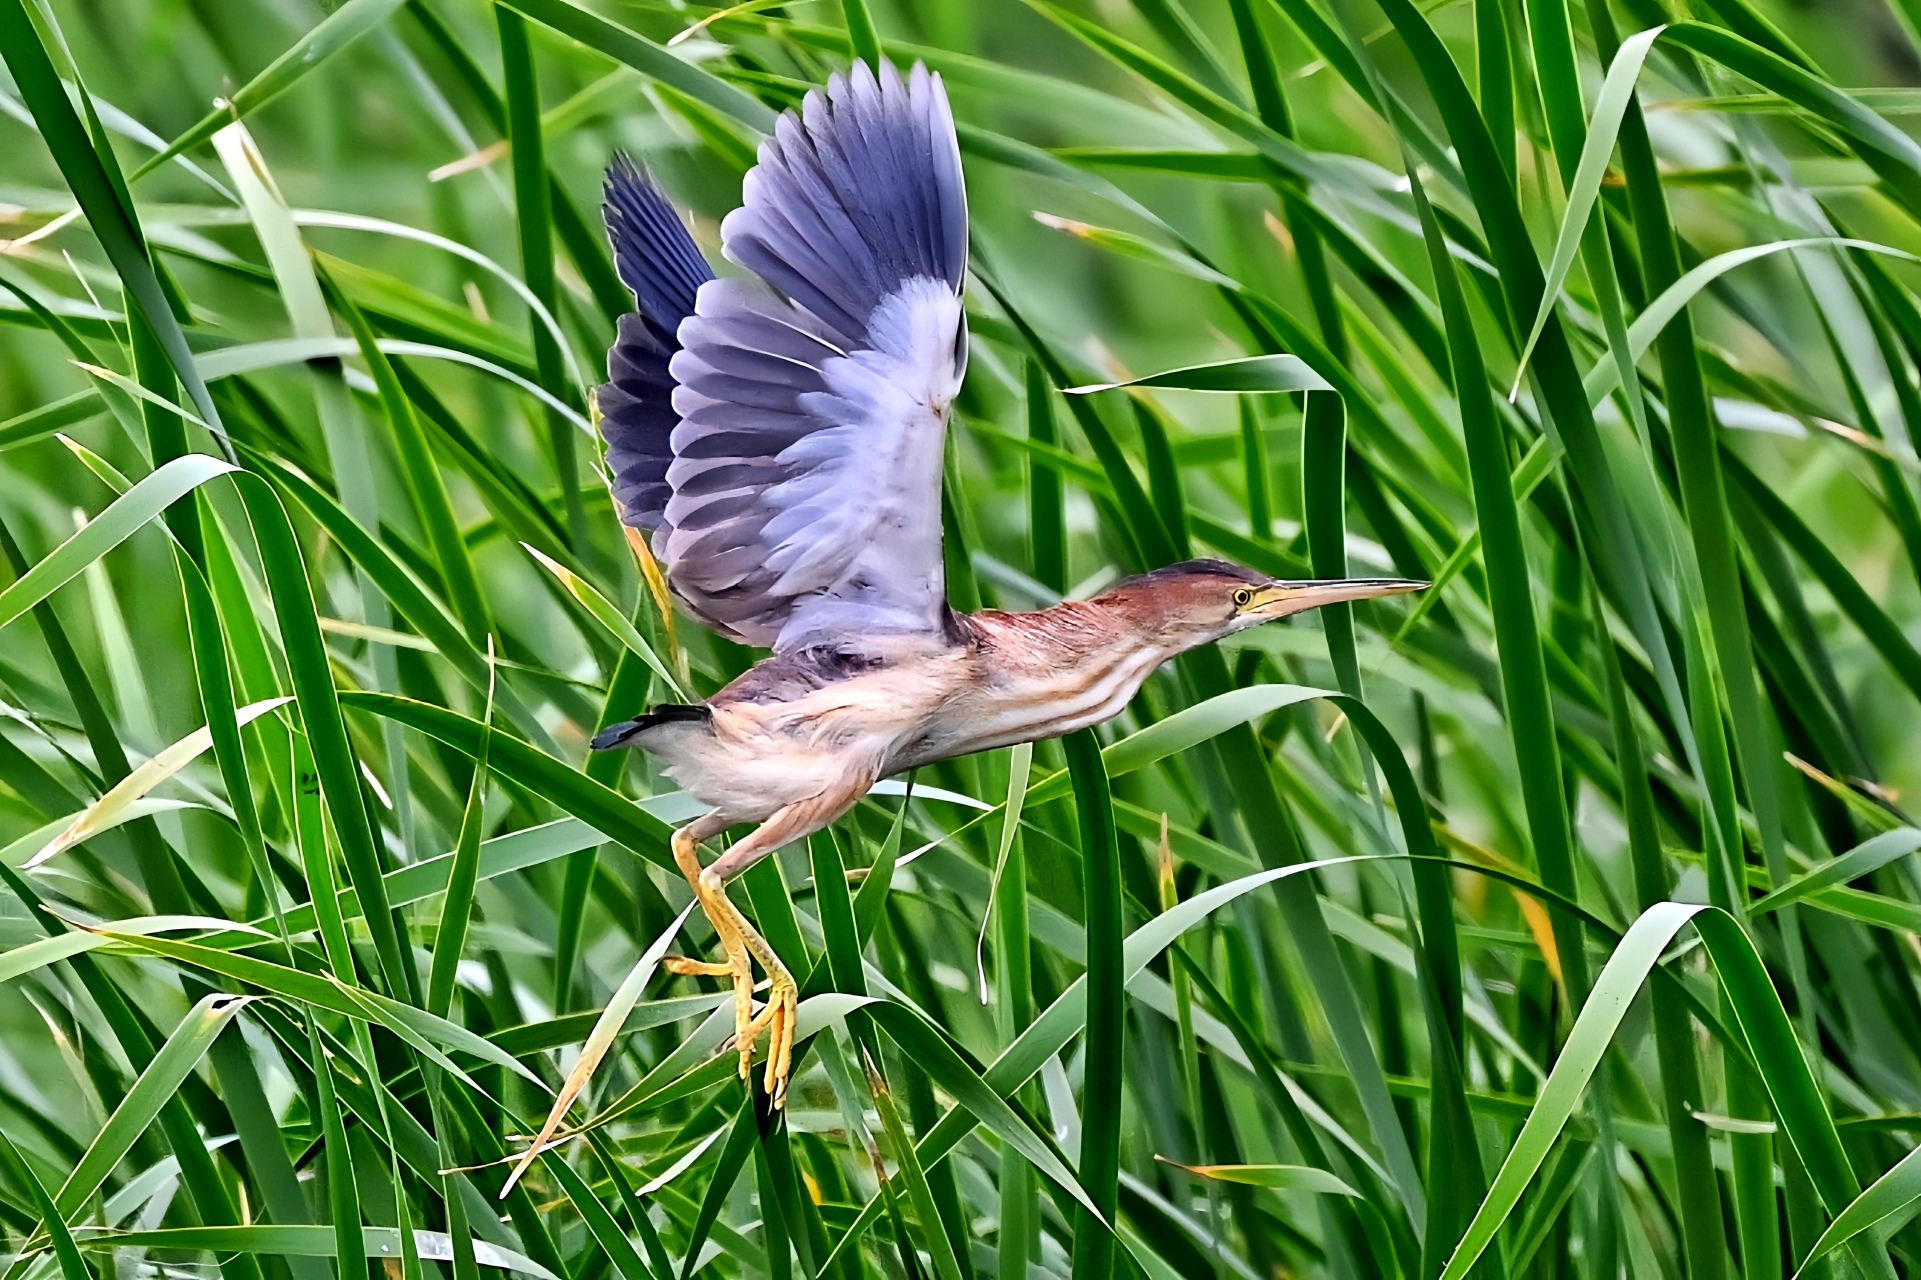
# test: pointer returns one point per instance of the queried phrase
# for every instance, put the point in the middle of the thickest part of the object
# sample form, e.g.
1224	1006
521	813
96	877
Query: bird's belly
762	757
749	785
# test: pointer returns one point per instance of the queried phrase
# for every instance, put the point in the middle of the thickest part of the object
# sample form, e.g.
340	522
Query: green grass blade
404	591
1606	1004
1892	1192
37	424
861	35
599	1041
343	1195
109	809
1106	1007
1324	520
1673	300
1019	764
1864	858
871	902
930	1051
600	1223
319	705
1281	1177
72	1266
247	357
1260	513
601	807
1250	373
429	492
398	230
122	518
604	613
919	1194
112	221
1523	669
839	931
649	59
1861	608
534	219
1617	91
1046	497
414	1025
734	1152
179	1055
1894	155
450	939
332	34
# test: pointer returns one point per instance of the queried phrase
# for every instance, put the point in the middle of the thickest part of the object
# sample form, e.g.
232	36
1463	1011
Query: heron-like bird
781	437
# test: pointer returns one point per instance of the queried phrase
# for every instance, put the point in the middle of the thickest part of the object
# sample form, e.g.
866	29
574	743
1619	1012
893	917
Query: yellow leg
721	915
780	1016
783	1000
743	945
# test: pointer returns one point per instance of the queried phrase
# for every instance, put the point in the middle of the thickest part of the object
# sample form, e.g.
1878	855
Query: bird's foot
780	1015
744	946
777	1016
738	967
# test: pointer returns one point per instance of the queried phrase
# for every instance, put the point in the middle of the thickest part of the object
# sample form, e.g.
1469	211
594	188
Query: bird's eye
1243	598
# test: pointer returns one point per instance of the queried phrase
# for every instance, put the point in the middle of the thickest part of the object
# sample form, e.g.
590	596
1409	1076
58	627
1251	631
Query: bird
777	436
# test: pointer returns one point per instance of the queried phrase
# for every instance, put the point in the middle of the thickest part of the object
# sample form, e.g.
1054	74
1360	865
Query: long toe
785	1000
690	968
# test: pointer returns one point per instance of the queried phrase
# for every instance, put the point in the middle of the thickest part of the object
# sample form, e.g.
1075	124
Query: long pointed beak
1282	597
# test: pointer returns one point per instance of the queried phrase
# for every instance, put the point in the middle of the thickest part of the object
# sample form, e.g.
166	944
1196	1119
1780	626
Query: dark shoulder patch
957	627
835	663
795	674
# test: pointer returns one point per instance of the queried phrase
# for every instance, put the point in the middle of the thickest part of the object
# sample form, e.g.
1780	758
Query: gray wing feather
807	457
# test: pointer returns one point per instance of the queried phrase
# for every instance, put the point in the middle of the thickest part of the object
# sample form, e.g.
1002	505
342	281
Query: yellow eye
1243	598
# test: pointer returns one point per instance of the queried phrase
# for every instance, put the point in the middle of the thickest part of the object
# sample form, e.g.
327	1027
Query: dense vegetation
1607	957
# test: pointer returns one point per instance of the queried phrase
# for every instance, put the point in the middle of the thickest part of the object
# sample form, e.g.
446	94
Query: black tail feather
619	735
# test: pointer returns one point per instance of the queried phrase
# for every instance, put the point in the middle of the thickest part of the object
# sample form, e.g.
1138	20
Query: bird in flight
781	435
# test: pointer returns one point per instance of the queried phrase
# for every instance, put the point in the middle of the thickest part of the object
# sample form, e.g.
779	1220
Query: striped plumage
800	737
781	436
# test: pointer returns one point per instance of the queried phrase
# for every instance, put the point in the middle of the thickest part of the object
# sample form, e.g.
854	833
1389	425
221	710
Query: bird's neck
1102	632
1070	666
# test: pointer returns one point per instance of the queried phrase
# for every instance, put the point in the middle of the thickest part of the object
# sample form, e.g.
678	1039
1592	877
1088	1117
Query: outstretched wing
805	480
659	262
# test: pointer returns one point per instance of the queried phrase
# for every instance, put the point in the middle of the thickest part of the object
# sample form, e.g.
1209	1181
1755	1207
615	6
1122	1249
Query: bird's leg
781	1013
727	925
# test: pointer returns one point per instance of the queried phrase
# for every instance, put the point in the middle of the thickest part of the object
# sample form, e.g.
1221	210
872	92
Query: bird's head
1197	601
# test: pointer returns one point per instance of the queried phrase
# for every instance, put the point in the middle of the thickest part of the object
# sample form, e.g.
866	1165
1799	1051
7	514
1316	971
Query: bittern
782	439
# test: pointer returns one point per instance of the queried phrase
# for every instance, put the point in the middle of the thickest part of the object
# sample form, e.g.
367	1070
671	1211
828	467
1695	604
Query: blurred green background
1670	654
